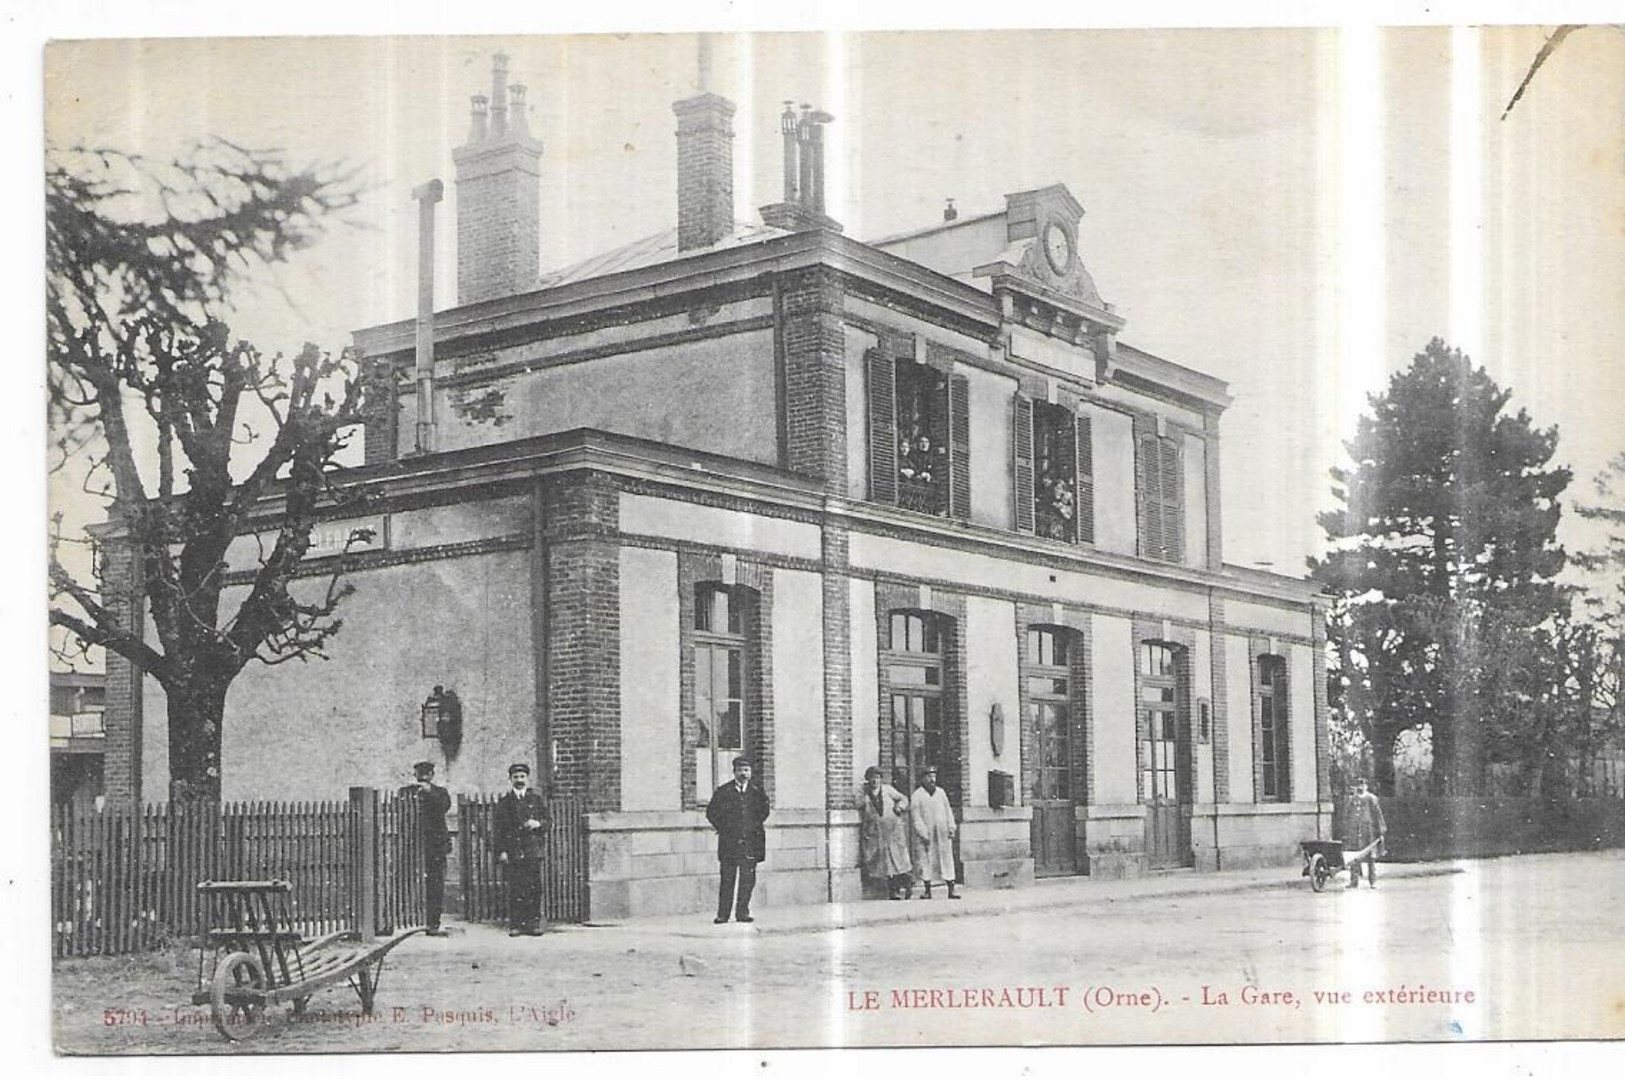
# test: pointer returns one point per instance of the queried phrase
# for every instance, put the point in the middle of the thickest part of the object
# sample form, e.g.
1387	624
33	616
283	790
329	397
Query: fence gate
564	874
124	881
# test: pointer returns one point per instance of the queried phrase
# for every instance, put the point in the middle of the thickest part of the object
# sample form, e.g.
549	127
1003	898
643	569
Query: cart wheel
237	997
1318	874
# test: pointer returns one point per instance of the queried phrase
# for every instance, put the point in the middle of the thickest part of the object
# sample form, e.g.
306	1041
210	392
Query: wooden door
1164	773
1051	719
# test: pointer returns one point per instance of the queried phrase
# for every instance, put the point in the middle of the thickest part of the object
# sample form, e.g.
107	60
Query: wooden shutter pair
1159	482
1022	430
882	374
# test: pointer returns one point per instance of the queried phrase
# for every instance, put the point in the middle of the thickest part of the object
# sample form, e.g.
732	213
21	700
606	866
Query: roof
935	227
650	250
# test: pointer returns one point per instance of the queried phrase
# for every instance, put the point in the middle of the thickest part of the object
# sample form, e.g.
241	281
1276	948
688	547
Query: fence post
364	863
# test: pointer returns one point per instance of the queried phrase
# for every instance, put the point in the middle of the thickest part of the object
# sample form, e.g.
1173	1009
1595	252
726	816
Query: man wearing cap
736	811
932	818
521	827
1369	826
432	803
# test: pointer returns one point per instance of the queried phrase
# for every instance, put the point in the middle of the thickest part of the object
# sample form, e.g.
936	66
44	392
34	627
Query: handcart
260	960
1325	859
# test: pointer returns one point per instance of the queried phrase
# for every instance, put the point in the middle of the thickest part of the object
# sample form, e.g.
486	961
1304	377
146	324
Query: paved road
1517	948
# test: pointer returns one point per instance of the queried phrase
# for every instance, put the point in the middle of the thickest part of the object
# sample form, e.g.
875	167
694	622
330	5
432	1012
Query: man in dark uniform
432	801
737	811
521	828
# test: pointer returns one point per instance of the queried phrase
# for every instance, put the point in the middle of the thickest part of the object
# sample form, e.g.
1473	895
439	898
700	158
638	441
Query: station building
758	487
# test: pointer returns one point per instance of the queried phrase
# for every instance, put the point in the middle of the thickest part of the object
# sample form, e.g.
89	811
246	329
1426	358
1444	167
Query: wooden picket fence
564	877
126	881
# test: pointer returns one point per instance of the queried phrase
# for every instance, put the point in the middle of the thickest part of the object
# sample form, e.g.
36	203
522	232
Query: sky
1295	211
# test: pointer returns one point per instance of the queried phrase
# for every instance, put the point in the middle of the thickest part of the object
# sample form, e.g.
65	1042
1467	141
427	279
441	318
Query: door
1164	772
1051	721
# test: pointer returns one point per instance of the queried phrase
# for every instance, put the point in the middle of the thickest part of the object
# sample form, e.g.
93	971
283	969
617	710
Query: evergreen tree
1442	556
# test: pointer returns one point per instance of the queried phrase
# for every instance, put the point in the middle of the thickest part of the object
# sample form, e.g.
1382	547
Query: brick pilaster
837	584
1221	697
121	755
812	348
1322	706
581	517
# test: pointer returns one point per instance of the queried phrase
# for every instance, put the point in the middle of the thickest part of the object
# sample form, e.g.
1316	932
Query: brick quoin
580	517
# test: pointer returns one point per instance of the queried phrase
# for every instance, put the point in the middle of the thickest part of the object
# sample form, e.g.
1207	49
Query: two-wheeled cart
256	959
1325	859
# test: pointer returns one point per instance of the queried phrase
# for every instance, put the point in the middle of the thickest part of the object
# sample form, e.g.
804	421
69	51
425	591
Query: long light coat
883	836
934	829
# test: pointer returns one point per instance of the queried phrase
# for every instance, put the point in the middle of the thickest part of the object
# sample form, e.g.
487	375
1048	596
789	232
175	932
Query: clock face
1057	247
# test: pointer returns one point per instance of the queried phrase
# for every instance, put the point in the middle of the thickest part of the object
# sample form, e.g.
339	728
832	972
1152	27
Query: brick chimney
705	162
498	195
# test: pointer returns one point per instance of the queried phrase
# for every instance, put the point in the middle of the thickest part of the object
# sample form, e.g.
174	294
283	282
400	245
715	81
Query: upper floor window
922	438
1274	779
919	436
1054	472
1160	497
1055	463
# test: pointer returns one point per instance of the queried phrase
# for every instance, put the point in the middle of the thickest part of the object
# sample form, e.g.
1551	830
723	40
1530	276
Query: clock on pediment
1042	246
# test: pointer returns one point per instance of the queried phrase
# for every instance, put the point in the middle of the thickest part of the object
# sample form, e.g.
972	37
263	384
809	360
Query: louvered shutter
1173	500
1148	496
1023	458
882	426
959	447
1086	480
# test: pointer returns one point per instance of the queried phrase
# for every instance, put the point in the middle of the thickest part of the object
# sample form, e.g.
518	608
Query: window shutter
1086	481
882	426
1173	500
1023	457
959	447
1148	496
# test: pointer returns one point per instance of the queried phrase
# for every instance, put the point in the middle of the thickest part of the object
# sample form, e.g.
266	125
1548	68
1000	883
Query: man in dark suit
737	811
433	801
520	826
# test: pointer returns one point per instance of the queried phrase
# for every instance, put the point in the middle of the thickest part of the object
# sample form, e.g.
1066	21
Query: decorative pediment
1042	262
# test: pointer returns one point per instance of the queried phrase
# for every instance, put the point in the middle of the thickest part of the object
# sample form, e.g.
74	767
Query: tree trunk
1382	761
195	715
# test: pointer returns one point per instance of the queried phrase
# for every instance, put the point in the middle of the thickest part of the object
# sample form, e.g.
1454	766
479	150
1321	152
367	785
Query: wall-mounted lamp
443	719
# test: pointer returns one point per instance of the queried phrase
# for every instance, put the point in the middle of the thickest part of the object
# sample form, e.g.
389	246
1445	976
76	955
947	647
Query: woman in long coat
883	834
934	828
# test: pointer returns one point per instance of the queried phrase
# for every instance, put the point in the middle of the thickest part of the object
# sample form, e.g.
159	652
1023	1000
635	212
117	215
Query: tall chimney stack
705	162
803	205
498	174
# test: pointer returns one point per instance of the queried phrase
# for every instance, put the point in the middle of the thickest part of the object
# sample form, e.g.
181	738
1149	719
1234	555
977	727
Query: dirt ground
1536	940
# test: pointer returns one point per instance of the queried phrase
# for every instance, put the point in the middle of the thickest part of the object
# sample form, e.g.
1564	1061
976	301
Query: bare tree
154	405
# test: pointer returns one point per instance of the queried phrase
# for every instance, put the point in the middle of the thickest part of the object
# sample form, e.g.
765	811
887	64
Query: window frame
931	696
1273	735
